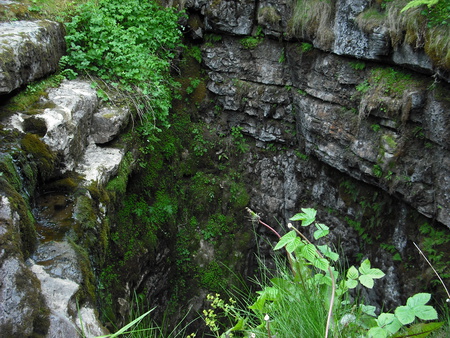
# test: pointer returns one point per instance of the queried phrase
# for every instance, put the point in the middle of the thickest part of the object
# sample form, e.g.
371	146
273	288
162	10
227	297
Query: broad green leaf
321	263
307	217
270	293
389	322
308	252
367	281
352	273
322	231
425	312
405	314
365	267
377	332
286	239
351	283
418	299
327	252
291	246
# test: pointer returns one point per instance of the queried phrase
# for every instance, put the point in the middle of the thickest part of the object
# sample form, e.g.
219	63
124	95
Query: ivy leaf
307	217
322	231
286	239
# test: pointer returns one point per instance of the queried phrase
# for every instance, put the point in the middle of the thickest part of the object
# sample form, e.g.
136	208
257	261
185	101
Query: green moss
213	277
250	42
28	237
85	213
9	171
44	157
86	293
268	15
118	184
67	184
29	99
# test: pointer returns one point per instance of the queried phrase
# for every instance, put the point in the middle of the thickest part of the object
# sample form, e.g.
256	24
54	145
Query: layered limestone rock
355	28
377	124
29	50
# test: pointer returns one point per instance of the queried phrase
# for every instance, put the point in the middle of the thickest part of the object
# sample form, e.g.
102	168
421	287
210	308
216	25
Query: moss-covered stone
44	157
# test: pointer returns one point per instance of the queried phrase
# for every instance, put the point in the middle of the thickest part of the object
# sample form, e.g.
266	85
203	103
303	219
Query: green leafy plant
129	46
250	42
310	297
238	139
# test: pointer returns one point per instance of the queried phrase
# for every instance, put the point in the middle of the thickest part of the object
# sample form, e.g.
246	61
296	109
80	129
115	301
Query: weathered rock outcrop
29	50
39	296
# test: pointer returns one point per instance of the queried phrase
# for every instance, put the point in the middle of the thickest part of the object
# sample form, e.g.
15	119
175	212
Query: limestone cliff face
371	119
342	104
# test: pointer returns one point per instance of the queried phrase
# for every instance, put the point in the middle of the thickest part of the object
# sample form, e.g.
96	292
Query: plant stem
333	282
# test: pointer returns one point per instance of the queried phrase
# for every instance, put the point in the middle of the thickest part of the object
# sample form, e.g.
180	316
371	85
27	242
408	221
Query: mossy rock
44	157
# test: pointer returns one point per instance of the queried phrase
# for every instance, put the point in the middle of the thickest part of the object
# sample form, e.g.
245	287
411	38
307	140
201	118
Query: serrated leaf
376	273
320	279
367	281
291	246
418	299
322	231
405	314
352	273
365	267
327	252
351	283
307	217
321	263
286	239
308	252
425	312
390	322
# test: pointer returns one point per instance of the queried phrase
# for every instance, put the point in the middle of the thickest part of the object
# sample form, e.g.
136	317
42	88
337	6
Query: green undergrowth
183	194
129	47
309	295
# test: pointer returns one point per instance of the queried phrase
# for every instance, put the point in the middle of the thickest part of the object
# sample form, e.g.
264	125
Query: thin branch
440	279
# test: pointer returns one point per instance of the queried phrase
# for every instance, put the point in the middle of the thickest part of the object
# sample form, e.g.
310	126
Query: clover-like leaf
322	231
389	321
352	273
307	217
405	314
